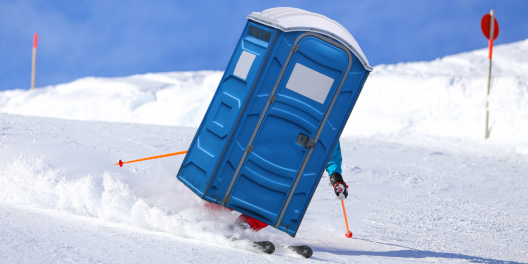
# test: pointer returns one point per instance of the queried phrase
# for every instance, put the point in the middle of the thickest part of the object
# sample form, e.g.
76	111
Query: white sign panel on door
309	83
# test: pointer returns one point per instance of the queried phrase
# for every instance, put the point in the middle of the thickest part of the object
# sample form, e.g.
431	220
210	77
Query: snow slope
444	97
411	199
424	187
177	98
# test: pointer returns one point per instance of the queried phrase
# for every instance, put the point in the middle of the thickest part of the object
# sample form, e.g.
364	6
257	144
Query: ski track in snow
411	199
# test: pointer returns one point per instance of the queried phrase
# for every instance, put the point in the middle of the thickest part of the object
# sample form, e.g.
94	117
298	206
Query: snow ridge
441	98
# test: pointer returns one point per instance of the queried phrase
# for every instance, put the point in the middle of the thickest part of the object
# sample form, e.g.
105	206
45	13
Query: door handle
305	141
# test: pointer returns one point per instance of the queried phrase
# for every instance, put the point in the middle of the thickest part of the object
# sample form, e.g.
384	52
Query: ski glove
340	187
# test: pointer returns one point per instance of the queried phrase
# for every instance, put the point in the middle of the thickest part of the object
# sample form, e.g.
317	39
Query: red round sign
485	25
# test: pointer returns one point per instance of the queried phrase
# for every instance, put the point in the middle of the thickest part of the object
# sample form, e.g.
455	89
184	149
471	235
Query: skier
334	170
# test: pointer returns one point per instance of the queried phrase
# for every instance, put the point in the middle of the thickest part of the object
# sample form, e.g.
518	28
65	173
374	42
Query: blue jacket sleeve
334	165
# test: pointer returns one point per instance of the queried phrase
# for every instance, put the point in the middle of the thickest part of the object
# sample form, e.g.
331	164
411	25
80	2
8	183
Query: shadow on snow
412	253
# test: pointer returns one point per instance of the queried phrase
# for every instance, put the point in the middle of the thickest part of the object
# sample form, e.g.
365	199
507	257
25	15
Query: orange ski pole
348	233
120	163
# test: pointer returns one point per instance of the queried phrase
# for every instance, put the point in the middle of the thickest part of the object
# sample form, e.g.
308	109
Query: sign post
35	39
490	28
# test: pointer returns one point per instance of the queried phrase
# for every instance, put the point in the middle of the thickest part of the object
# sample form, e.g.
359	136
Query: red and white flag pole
35	39
490	28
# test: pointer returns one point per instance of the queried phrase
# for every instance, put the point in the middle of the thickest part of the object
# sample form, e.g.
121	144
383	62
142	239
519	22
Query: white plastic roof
294	19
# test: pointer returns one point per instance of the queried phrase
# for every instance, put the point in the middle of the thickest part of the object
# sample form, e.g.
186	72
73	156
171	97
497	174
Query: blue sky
118	38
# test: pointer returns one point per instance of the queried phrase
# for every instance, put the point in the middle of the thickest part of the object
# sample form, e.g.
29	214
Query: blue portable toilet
276	116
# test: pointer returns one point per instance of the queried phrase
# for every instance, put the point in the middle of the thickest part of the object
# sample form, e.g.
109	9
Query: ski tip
265	246
303	250
349	234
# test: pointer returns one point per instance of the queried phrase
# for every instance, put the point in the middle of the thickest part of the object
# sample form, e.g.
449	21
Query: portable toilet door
283	140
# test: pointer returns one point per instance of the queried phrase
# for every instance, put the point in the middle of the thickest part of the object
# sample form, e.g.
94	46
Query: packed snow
424	185
444	97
